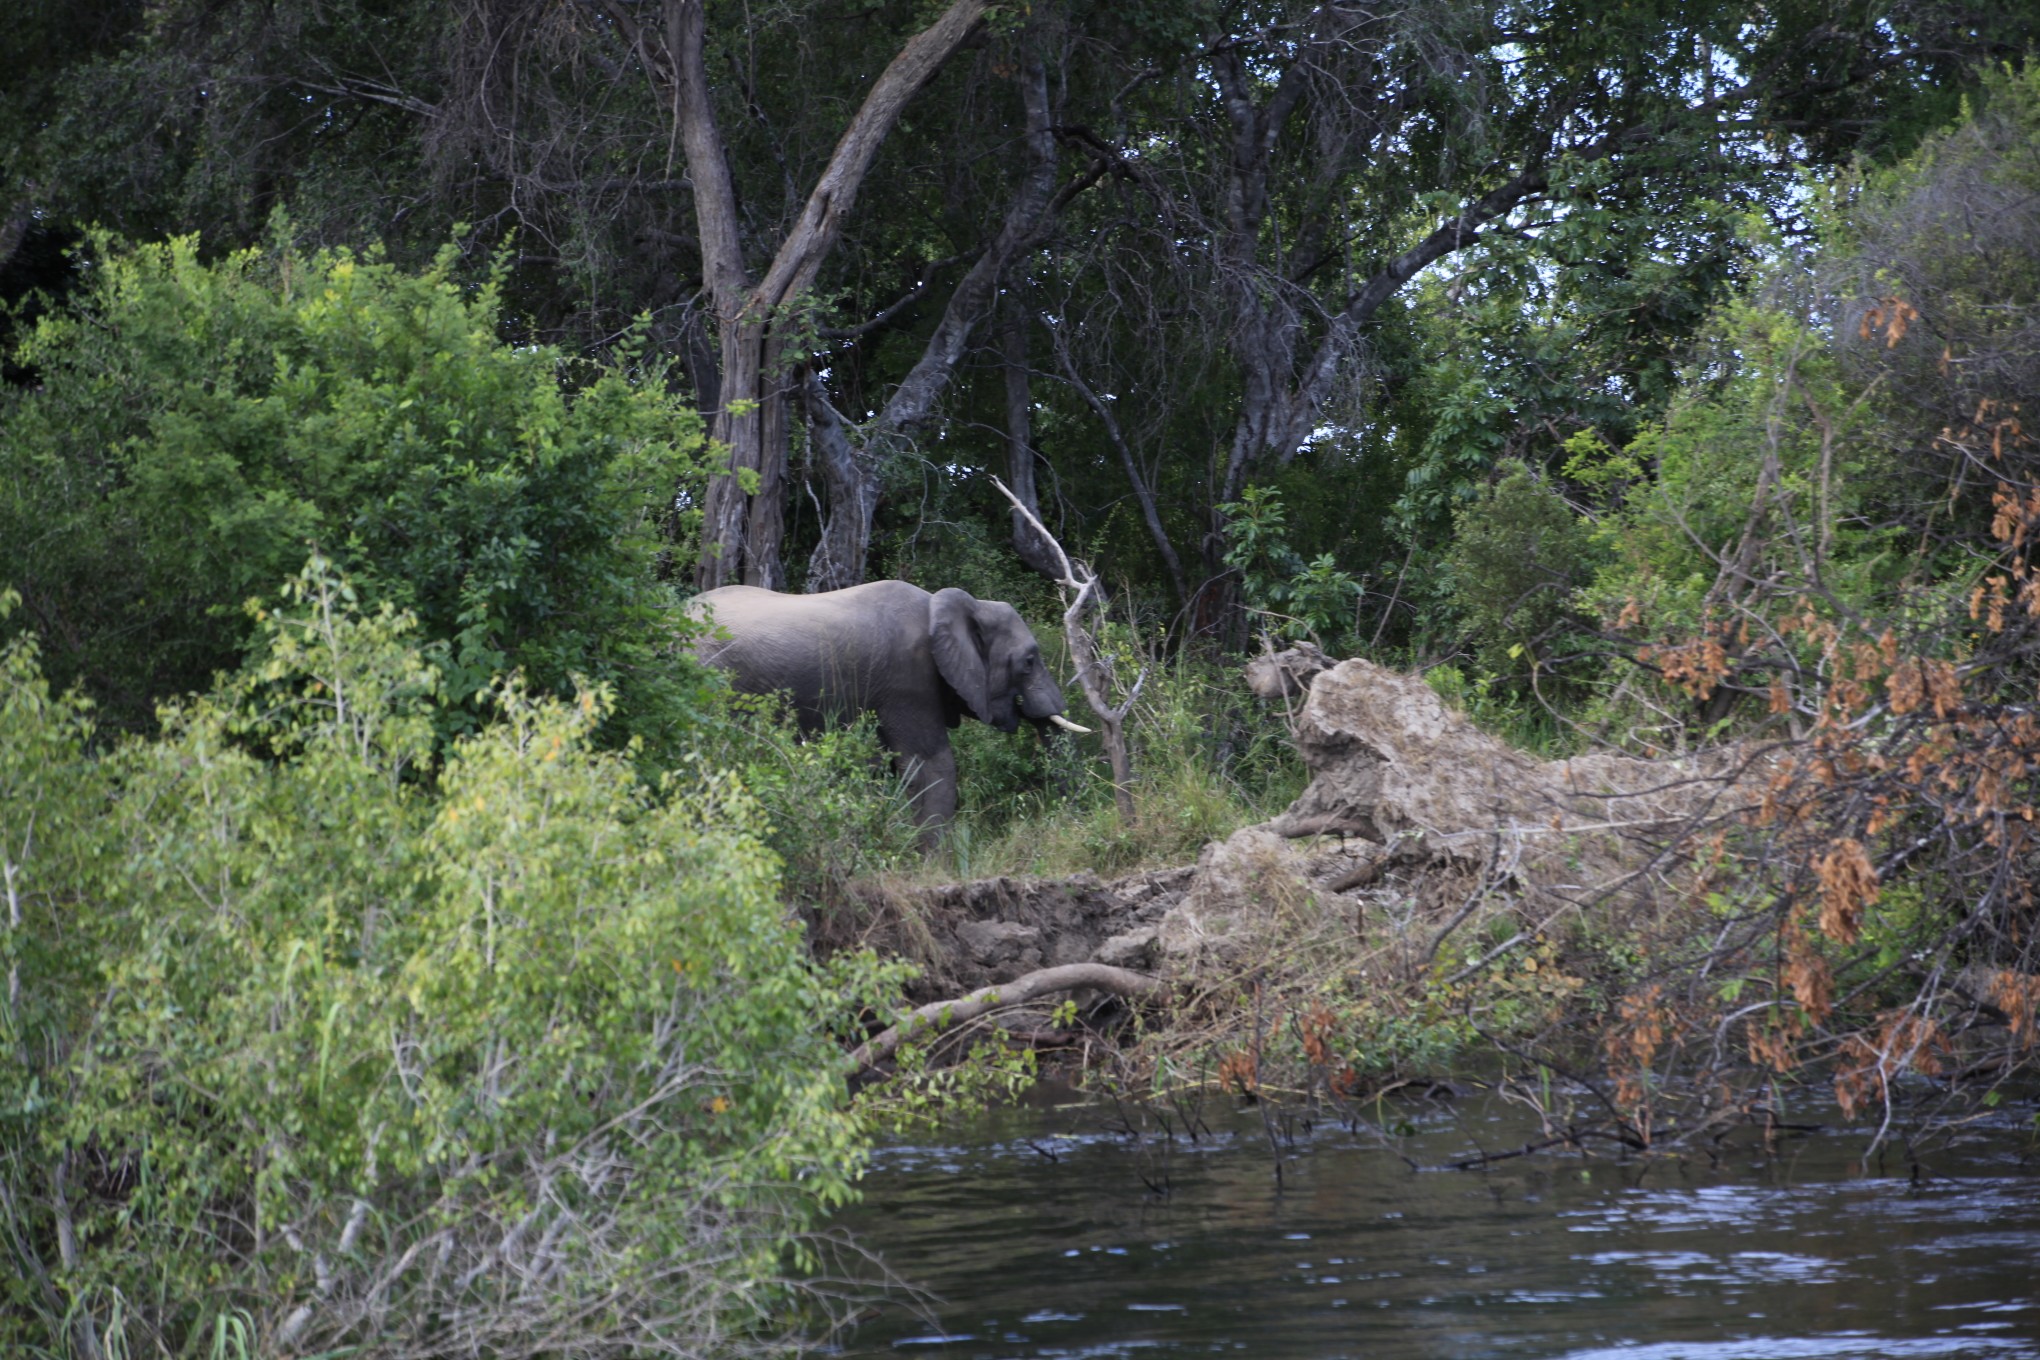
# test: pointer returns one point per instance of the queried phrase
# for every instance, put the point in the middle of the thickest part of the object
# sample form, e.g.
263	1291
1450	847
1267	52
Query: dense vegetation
318	1031
195	428
1141	257
398	940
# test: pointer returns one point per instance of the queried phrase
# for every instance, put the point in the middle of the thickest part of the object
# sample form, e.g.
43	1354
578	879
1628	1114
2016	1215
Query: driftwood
939	1015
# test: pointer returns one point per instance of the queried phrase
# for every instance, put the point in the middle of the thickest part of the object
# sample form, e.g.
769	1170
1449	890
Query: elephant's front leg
931	783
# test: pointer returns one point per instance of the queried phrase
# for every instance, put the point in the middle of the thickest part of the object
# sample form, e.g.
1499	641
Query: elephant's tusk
1066	725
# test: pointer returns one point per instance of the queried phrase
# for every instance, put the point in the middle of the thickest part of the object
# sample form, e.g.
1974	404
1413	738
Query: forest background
1652	374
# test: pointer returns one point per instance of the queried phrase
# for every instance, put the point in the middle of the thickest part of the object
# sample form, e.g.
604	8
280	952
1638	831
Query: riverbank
1437	901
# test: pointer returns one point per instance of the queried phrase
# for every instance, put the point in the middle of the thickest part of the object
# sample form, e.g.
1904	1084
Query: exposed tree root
940	1015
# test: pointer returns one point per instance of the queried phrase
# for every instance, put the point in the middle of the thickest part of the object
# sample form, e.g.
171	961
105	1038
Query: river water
1054	1232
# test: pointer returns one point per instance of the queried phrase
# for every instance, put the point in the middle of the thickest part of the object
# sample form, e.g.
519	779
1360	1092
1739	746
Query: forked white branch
1080	588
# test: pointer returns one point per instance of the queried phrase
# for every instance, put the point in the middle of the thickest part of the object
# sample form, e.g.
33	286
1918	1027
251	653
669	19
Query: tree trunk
741	527
1020	455
743	523
13	231
765	527
850	475
1035	203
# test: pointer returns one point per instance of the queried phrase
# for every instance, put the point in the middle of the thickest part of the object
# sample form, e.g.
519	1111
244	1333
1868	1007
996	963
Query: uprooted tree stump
1392	763
1453	819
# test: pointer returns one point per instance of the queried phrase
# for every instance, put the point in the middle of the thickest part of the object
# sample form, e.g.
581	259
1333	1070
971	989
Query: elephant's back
736	606
838	651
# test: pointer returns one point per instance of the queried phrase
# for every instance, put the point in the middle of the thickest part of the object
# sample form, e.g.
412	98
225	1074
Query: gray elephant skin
920	662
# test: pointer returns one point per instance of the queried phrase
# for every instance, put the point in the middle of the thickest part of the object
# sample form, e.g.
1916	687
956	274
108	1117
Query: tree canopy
1138	256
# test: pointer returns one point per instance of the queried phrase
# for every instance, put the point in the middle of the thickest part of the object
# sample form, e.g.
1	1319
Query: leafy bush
503	1055
829	805
1297	599
1495	704
1765	466
196	427
1842	437
1518	553
1936	284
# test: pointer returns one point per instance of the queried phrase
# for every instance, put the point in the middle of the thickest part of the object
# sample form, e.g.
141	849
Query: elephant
920	662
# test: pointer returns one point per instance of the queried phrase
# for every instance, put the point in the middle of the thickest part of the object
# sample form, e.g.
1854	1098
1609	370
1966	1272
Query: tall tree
743	527
943	227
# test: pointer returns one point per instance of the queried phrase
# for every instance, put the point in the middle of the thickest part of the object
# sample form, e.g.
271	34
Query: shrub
1295	598
357	1049
1518	554
196	426
829	805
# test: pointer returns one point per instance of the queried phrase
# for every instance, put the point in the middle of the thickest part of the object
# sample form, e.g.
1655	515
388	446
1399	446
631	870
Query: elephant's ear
957	655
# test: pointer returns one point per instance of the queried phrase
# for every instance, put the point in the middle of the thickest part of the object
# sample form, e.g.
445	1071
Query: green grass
1207	759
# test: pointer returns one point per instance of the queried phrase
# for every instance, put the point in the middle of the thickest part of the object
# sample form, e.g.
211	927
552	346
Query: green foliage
1462	437
1822	426
1538	338
408	125
197	426
1389	1038
107	129
828	804
1518	553
364	1048
1298	599
1003	780
932	1084
1771	469
1827	539
1936	290
1496	704
1207	758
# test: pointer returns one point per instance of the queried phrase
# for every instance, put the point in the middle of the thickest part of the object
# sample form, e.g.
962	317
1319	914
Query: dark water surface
1039	1234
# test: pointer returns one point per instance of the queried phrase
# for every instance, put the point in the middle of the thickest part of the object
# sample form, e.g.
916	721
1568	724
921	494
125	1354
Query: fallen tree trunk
939	1015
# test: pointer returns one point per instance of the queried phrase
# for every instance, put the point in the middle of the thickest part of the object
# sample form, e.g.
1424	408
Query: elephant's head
988	655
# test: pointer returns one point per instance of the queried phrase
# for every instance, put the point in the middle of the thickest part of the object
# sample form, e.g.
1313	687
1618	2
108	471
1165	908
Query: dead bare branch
1079	587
